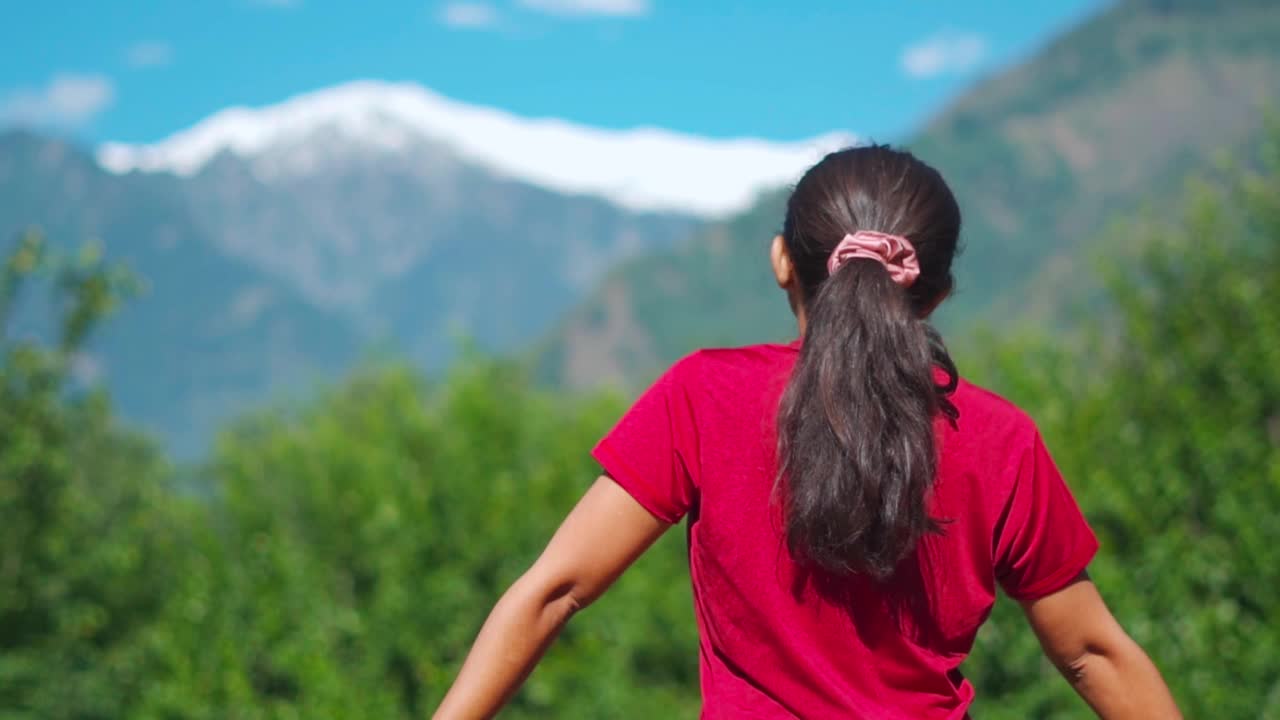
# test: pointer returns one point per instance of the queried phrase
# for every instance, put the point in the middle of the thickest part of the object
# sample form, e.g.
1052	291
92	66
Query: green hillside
1106	120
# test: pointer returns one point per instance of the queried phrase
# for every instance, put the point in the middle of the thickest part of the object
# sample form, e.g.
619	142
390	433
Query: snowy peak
641	169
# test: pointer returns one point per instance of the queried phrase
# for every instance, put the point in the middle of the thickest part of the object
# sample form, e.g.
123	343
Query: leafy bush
1167	425
89	542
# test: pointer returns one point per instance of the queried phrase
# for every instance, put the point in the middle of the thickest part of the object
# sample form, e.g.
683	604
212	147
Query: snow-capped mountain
280	241
645	169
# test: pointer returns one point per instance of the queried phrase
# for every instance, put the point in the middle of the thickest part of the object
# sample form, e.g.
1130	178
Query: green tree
361	539
1166	422
87	533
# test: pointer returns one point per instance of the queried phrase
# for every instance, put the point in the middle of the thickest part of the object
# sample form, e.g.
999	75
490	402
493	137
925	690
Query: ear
783	270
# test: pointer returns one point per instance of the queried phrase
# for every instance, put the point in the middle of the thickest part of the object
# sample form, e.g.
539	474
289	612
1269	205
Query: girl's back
851	503
779	640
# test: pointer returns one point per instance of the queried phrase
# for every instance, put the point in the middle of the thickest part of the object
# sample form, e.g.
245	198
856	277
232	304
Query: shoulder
729	376
994	442
722	362
986	412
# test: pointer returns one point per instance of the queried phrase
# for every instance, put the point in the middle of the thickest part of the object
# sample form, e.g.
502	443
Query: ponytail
856	446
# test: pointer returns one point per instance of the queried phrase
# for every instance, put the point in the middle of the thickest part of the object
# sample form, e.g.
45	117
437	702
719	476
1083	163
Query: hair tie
895	252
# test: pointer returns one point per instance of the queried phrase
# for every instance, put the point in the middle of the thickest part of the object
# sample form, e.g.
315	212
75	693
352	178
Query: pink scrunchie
893	251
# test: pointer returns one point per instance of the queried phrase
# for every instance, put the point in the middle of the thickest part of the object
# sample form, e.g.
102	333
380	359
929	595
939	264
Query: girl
852	503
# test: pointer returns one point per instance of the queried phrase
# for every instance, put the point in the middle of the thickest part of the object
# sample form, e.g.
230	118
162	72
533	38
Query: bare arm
600	538
1102	663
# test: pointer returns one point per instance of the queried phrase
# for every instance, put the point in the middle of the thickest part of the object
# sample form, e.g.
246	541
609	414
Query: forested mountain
1106	119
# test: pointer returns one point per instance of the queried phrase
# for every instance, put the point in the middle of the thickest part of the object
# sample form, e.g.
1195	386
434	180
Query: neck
797	309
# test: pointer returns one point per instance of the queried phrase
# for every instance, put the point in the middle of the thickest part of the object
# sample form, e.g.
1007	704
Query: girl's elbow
1114	648
1076	669
555	598
566	606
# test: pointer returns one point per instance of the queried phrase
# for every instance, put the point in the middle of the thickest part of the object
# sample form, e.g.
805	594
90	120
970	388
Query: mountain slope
279	242
414	245
1107	119
207	336
268	269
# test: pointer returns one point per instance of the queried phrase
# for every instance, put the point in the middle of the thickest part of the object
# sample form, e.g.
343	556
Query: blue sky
781	69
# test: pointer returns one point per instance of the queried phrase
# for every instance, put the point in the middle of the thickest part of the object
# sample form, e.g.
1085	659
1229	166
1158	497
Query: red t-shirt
776	642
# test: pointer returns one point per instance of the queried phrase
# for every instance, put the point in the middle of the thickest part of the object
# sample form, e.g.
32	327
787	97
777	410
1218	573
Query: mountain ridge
261	287
630	168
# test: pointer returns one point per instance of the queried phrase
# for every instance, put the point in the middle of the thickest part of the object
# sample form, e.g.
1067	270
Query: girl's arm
1102	663
600	538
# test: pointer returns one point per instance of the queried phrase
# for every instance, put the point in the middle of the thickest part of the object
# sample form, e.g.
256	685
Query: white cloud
68	100
149	54
948	52
469	15
618	8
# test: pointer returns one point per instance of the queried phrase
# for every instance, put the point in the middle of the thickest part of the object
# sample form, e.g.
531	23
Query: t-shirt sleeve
1042	541
652	451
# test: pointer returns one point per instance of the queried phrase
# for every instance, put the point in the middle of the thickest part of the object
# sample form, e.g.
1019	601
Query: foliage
360	541
343	553
1168	425
85	546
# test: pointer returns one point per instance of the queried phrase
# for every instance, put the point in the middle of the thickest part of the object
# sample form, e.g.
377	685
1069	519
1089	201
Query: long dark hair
856	445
